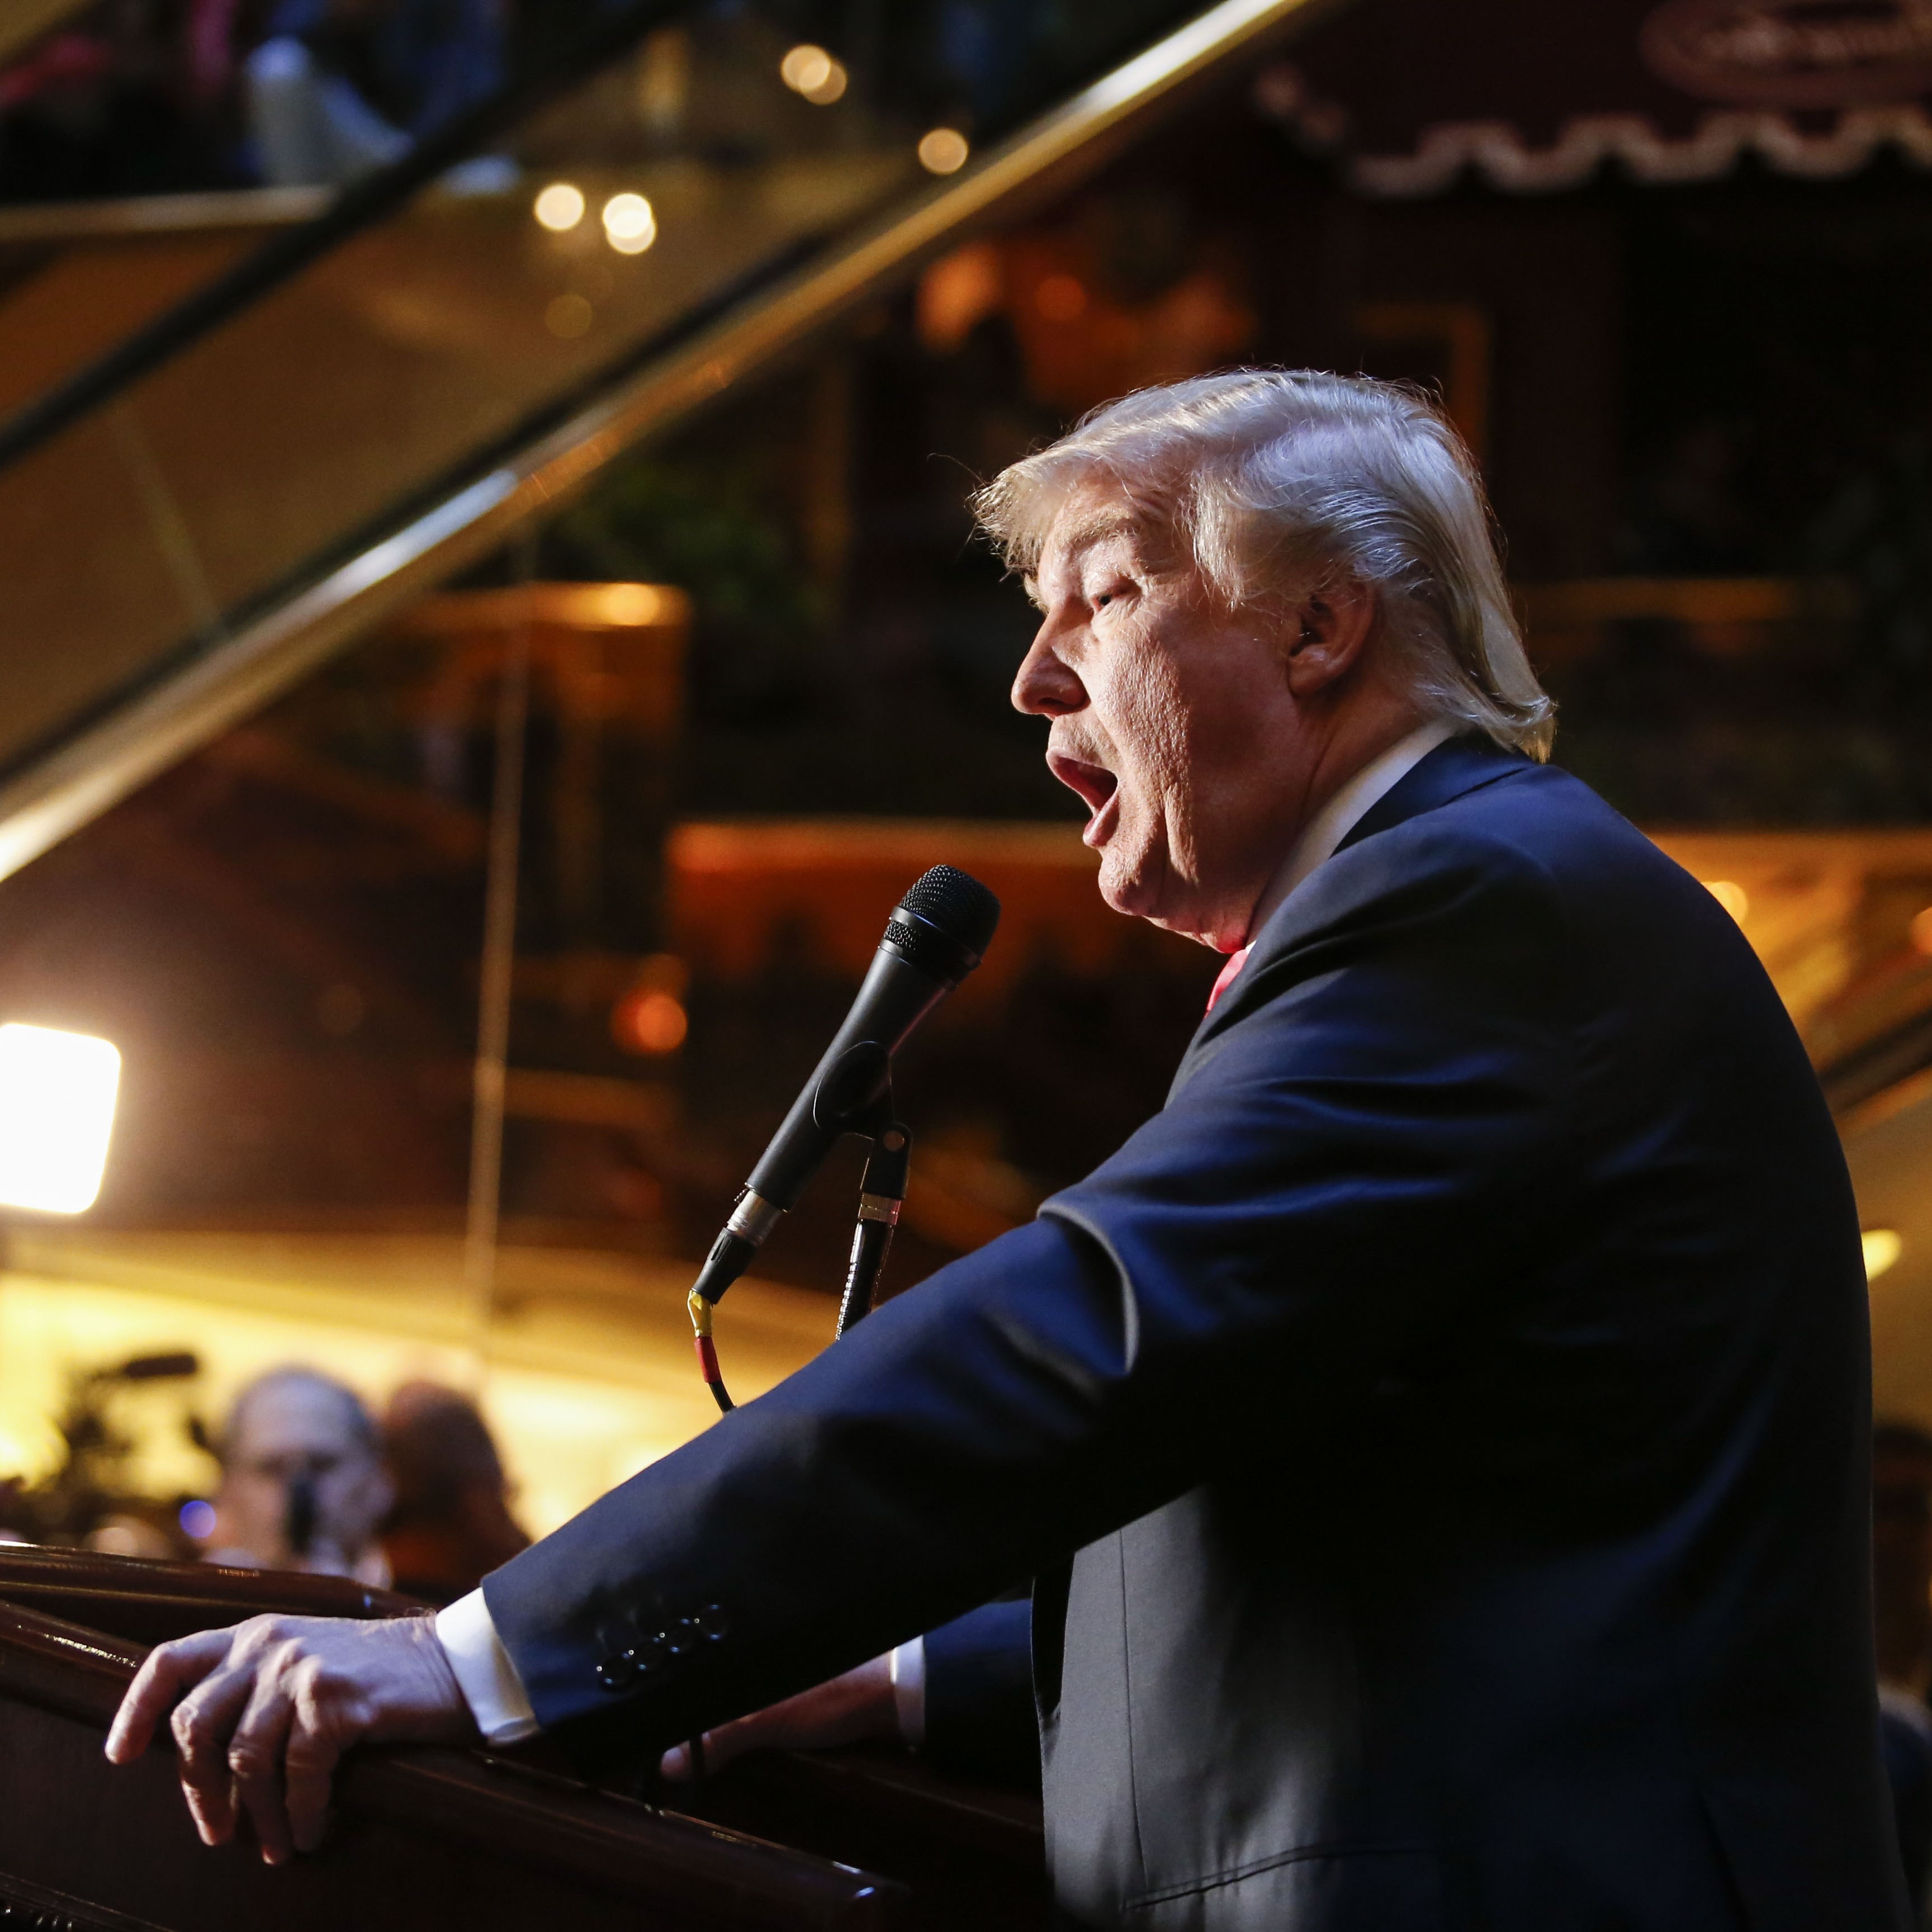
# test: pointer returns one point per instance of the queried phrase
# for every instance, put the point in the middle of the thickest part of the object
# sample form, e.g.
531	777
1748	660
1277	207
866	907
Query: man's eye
1101	601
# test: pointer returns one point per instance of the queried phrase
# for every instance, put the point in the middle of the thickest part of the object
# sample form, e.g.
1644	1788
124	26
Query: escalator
323	405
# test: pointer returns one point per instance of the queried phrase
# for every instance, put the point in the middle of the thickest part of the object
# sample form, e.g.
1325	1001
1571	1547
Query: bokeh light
630	225
814	73
648	1019
568	316
1882	1247
1060	298
831	89
1731	896
943	150
57	1095
560	206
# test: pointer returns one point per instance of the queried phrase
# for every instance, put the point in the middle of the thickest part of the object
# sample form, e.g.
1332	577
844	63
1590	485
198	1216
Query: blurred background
492	623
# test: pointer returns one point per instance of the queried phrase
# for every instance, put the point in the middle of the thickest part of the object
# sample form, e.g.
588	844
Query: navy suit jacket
1441	1435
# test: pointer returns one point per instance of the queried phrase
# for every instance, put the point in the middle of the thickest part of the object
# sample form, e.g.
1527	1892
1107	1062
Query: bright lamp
57	1092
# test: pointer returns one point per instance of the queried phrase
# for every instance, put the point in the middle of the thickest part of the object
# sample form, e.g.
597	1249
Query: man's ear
1330	631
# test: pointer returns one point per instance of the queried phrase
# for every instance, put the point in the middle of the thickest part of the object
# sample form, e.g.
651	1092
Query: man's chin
1186	928
1130	886
1137	891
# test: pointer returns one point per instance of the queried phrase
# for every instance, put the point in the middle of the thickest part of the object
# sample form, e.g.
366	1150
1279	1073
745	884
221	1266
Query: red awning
1538	95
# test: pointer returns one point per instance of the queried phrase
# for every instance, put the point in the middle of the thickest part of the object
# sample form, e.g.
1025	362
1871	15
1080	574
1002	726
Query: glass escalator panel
719	151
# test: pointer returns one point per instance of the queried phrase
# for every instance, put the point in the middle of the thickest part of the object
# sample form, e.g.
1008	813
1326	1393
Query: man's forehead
1090	518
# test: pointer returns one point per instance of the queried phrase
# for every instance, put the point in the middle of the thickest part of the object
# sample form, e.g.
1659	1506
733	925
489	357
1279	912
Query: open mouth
1095	783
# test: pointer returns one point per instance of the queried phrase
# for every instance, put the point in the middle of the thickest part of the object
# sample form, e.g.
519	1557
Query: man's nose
1046	685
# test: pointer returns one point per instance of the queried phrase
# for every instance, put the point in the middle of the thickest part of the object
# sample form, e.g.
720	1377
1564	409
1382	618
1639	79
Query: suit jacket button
712	1622
681	1638
616	1673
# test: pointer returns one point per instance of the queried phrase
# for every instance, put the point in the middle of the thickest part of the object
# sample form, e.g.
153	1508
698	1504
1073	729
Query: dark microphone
937	935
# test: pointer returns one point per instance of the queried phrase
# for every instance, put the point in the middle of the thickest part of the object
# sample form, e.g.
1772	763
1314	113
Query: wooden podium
428	1839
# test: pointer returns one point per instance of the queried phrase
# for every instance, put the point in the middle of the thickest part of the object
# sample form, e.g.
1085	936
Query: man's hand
859	1704
271	1704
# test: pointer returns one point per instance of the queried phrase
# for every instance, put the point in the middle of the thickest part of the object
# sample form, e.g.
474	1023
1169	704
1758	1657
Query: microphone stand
881	1195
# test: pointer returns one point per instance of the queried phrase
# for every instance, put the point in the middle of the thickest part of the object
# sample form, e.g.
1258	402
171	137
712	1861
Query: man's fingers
202	1724
858	1705
763	1729
771	1730
170	1668
255	1761
312	1754
272	1704
676	1766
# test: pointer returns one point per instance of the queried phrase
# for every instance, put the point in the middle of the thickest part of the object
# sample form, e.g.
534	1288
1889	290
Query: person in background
452	1524
1902	1614
339	88
113	102
303	1486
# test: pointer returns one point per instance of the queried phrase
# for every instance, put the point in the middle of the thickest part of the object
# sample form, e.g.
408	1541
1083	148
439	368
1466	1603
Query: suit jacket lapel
1457	766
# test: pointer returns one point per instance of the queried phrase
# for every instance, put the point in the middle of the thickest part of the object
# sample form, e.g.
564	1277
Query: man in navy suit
1438	1438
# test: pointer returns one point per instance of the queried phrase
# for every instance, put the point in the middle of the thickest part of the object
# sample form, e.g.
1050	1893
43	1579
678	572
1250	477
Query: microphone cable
701	1311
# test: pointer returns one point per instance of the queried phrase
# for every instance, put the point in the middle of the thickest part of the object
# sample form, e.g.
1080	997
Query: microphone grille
956	903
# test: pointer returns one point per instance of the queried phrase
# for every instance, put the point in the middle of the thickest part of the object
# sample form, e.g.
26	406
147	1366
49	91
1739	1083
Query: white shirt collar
1315	845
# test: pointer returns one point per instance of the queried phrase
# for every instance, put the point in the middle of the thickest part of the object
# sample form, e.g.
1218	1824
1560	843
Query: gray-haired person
1438	1439
303	1486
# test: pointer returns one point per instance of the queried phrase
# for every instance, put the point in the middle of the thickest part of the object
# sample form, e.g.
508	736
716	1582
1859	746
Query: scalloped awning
1412	96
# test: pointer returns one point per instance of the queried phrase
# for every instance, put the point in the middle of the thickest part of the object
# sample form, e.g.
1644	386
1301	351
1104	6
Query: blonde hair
1277	482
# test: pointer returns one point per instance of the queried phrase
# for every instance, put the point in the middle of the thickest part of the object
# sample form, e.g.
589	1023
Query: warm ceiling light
629	225
805	68
648	1019
57	1092
1882	1247
1921	930
1731	896
1060	298
630	603
569	316
943	150
812	72
831	89
559	206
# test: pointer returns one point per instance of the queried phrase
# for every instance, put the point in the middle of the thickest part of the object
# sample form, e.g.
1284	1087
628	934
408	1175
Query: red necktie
1229	972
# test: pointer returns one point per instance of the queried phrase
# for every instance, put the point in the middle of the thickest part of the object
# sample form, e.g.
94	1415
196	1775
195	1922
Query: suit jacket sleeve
979	1695
1364	1144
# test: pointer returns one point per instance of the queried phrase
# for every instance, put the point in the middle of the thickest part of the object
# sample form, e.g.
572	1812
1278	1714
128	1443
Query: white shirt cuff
484	1674
908	1675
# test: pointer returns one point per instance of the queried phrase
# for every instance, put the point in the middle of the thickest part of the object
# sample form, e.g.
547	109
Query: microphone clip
881	1195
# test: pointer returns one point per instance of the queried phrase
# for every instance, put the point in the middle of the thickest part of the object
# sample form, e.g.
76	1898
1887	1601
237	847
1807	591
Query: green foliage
657	521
